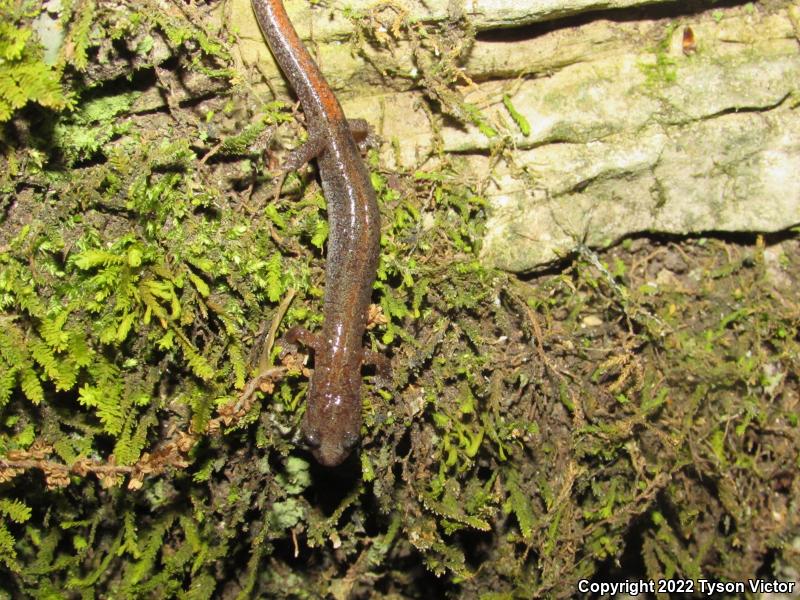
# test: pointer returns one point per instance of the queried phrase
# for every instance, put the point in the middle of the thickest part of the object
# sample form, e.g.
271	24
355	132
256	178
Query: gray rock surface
709	141
630	131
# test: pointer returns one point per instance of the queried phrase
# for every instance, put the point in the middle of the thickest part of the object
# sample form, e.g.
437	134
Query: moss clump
24	74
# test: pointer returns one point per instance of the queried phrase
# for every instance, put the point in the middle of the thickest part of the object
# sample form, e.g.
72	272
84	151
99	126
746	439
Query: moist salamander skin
333	415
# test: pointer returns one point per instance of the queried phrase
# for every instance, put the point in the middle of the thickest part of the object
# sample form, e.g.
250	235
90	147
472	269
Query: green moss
663	70
24	75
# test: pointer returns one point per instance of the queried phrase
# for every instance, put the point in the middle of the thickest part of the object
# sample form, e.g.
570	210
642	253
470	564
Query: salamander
332	421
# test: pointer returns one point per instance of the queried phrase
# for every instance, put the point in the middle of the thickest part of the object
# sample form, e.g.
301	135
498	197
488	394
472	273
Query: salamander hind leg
362	133
299	157
304	154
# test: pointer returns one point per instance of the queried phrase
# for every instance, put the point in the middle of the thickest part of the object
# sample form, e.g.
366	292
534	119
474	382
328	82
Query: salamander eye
350	440
312	439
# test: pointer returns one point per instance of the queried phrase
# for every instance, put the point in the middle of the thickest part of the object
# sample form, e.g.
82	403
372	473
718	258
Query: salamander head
332	423
330	452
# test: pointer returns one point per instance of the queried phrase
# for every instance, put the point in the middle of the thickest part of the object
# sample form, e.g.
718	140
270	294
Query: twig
264	361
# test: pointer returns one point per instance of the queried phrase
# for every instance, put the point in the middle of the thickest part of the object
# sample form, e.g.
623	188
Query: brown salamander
332	421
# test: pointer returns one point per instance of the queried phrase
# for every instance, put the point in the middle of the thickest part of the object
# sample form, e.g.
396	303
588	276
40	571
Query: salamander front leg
298	334
383	367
